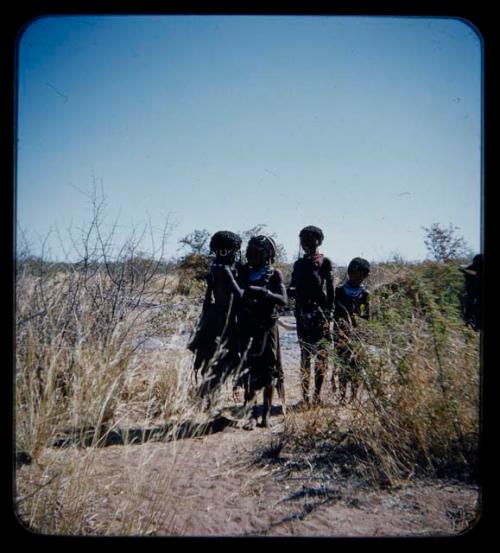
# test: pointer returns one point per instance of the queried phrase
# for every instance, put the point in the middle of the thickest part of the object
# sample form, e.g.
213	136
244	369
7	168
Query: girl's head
311	238
358	270
225	245
261	250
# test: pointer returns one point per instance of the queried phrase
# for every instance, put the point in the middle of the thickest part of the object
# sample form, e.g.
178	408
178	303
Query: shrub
419	364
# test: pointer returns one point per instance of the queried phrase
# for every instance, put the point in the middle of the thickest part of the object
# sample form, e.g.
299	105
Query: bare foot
250	424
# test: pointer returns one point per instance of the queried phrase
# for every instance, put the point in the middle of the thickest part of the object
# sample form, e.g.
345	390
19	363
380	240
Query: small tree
444	244
197	242
245	235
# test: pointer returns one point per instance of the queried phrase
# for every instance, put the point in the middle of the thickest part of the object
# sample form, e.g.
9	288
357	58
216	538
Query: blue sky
367	127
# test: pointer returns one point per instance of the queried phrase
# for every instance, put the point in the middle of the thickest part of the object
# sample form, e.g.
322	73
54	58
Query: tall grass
82	370
419	413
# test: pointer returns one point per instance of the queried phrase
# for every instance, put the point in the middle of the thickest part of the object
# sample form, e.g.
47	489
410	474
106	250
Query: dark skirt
260	348
215	344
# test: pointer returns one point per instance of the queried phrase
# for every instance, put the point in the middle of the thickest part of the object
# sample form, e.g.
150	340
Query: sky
368	127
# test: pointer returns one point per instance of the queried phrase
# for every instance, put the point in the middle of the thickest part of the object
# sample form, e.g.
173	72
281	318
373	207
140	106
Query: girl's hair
315	231
266	244
359	263
225	240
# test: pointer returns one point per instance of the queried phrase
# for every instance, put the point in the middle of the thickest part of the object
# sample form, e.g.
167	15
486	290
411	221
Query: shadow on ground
103	436
310	499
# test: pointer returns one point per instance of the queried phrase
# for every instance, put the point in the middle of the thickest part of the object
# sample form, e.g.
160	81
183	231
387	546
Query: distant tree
197	242
195	263
245	235
444	244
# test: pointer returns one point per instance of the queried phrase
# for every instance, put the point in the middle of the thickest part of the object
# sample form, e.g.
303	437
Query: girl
352	300
264	293
215	342
312	288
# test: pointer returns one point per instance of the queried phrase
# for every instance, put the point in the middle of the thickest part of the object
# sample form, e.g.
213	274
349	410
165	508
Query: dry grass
83	370
74	493
98	385
418	413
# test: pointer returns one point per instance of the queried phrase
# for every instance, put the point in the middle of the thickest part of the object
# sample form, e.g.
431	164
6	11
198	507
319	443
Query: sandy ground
210	487
220	485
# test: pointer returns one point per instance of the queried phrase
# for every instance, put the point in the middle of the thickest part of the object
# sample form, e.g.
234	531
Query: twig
37	314
37	490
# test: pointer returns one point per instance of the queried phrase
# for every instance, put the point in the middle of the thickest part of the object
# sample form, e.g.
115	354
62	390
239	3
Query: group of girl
237	335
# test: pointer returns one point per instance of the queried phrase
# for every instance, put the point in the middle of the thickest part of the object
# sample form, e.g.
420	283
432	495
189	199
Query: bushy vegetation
82	373
419	410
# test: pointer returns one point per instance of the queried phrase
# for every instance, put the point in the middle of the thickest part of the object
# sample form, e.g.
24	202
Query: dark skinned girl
264	293
215	343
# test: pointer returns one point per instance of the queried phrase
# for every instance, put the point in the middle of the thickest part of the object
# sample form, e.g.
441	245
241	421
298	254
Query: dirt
221	485
213	490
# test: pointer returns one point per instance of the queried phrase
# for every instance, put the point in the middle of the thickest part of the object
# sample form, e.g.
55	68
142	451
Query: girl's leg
250	400
355	378
321	368
268	403
345	371
281	393
247	390
305	372
280	384
343	380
